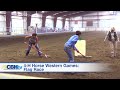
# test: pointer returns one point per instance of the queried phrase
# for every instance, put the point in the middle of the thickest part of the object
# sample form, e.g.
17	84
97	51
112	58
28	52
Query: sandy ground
12	49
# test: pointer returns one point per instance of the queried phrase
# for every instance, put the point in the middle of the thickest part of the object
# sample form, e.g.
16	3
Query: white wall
78	25
66	24
113	21
17	24
59	23
24	21
2	21
36	19
49	22
107	20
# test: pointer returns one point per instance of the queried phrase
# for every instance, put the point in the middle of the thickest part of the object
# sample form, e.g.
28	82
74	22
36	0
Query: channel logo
11	67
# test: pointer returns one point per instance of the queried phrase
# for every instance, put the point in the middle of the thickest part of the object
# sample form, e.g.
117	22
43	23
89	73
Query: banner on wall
89	23
76	22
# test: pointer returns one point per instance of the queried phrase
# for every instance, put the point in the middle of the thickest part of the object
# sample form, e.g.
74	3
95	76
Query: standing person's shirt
112	36
72	41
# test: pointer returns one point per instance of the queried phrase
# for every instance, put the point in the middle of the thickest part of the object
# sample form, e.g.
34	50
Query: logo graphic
11	67
4	67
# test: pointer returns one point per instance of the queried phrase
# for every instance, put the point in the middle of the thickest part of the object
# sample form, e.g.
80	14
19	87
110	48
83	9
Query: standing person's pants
29	48
68	50
113	46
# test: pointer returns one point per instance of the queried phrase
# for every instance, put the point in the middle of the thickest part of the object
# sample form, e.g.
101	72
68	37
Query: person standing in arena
33	42
113	39
70	44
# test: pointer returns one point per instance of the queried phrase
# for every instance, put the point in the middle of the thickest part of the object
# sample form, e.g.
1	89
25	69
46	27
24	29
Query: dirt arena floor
12	49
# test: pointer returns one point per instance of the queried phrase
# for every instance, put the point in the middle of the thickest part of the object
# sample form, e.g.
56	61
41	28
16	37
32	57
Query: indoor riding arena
53	29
